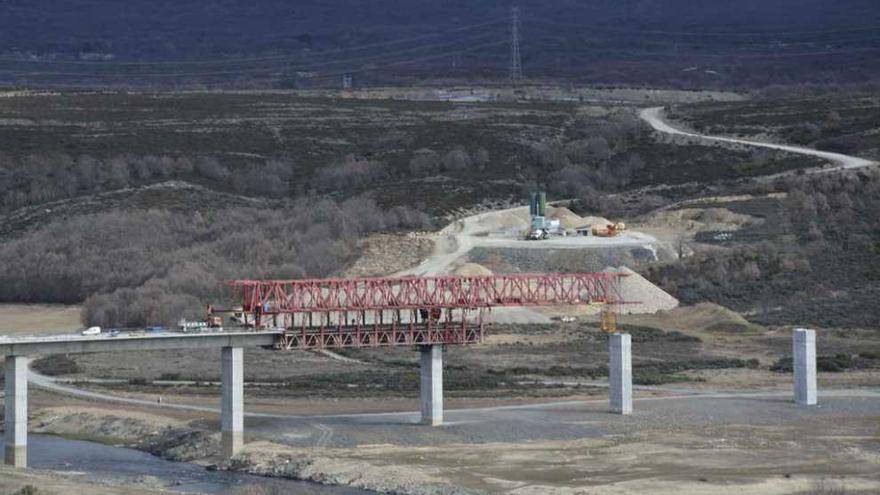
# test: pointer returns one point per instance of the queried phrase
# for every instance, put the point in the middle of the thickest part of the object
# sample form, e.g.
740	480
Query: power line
516	73
271	58
596	27
299	69
302	68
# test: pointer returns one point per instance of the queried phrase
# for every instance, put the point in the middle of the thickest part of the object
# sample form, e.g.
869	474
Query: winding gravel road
524	422
654	117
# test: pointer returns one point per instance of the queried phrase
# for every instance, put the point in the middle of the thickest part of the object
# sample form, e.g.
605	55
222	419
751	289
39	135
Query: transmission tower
516	73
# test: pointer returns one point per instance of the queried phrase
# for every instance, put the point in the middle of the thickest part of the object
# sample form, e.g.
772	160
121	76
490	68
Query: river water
98	462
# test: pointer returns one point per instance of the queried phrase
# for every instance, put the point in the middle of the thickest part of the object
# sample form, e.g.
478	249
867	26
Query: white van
92	331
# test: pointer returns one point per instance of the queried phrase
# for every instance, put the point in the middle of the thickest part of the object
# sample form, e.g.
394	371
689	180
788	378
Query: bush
56	365
829	364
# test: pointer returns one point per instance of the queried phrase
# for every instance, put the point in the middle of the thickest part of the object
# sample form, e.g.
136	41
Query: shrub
56	365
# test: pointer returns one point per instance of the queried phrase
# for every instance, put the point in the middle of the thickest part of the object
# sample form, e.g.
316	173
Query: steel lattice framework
373	312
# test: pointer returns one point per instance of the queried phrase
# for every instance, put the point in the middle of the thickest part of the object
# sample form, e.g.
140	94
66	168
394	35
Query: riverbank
65	466
689	443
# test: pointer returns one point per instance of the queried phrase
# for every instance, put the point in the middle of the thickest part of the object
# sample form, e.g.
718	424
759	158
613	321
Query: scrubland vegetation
823	269
827	118
87	216
134	268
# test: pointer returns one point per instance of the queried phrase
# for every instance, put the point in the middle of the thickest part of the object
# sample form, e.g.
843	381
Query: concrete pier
620	373
232	401
432	384
804	364
16	422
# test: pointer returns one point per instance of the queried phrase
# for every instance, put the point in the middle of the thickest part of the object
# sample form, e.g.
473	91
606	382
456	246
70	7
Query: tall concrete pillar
232	401
804	357
620	373
16	421
432	385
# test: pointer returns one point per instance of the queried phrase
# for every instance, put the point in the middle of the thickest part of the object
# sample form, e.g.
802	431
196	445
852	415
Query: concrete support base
620	373
432	384
804	357
16	420
232	400
15	455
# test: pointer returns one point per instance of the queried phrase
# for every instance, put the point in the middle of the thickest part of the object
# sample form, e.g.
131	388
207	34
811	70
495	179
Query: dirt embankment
662	462
165	437
361	468
382	254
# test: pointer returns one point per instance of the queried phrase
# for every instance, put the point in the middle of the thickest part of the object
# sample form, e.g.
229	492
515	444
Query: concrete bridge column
620	373
16	422
232	401
432	384
804	364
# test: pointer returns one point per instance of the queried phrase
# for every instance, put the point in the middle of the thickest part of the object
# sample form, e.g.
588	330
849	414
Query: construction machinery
609	230
406	311
608	318
540	227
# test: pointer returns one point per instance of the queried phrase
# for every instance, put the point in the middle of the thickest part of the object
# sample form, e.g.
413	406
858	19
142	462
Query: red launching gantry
406	311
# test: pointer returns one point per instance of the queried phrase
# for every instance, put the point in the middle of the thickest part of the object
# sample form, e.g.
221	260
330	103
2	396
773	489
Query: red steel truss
449	291
378	312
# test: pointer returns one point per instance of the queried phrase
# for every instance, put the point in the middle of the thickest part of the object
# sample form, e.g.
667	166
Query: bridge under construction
382	312
422	312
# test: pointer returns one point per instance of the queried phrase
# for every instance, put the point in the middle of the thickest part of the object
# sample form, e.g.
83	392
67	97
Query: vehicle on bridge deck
92	331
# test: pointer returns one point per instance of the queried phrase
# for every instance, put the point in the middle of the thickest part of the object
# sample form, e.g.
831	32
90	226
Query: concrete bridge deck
81	344
18	350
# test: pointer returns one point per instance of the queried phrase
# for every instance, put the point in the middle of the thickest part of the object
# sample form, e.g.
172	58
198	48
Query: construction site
421	248
485	385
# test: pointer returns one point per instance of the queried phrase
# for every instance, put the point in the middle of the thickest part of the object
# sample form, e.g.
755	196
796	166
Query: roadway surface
654	117
529	422
133	341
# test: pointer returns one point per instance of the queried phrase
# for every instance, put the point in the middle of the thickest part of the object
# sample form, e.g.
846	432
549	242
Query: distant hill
307	43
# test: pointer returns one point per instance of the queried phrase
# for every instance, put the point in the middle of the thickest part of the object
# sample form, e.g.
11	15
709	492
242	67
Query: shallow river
98	462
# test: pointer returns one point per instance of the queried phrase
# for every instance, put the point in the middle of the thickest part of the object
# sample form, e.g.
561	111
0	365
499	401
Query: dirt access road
454	242
654	117
459	237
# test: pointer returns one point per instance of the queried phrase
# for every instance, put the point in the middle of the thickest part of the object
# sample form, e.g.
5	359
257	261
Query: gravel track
654	117
550	420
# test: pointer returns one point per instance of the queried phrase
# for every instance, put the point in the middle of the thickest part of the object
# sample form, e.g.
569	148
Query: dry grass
42	319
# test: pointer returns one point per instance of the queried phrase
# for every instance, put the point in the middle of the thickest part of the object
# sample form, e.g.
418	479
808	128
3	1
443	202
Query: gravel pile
637	288
472	269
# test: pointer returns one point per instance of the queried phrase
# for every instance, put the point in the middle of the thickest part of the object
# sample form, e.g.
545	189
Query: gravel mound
472	269
567	218
648	296
506	220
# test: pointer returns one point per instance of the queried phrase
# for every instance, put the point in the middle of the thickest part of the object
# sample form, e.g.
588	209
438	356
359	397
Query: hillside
435	156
